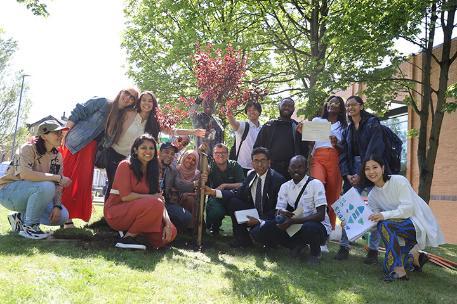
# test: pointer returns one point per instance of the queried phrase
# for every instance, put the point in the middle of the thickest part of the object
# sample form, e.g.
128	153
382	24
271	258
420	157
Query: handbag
102	153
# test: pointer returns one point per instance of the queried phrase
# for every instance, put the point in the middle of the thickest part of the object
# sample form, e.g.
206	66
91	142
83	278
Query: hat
168	145
49	126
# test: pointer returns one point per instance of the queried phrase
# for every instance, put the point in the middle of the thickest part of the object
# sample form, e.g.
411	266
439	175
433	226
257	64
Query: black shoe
313	260
393	276
129	242
214	231
299	251
423	259
371	258
237	243
342	254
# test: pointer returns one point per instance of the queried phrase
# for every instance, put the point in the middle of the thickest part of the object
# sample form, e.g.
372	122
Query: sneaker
15	221
33	232
129	242
324	249
371	258
342	254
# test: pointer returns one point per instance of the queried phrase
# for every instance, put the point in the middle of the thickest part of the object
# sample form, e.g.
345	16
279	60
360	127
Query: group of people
152	189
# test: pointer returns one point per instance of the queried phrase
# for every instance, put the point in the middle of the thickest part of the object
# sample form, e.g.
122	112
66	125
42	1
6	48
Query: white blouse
125	142
398	200
336	130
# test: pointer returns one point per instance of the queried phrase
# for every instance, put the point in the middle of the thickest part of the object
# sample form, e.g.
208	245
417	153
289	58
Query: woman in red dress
135	204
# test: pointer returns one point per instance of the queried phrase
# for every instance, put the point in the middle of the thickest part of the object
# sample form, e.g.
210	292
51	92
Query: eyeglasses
129	95
352	105
58	133
220	153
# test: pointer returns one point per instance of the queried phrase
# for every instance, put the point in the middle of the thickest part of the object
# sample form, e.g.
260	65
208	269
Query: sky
71	55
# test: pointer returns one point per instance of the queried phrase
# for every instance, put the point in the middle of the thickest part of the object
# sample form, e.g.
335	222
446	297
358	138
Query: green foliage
451	106
10	83
37	7
411	133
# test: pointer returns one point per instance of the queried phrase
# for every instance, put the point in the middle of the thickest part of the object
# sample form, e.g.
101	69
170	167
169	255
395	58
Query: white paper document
295	227
242	215
316	130
351	209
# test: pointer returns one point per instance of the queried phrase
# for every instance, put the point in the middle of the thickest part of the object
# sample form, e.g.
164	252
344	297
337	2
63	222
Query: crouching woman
135	204
32	186
404	220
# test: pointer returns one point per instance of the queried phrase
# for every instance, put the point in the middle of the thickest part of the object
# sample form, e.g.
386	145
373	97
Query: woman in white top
136	123
325	155
400	213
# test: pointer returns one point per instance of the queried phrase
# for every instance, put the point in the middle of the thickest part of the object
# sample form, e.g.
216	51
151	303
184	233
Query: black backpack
233	154
393	148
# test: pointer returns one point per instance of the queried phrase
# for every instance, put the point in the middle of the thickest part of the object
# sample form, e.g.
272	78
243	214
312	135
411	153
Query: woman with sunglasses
87	123
32	186
142	120
135	204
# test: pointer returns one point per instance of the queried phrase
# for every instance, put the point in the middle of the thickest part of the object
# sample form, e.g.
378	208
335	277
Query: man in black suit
259	190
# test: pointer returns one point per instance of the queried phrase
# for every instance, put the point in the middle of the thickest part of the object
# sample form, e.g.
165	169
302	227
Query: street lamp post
17	116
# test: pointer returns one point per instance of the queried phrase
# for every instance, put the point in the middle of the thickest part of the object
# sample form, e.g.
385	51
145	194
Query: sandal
393	276
423	259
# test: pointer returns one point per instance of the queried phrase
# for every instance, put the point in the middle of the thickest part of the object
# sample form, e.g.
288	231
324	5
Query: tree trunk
427	158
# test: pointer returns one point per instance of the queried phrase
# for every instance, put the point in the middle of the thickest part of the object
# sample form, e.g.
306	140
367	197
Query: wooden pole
198	228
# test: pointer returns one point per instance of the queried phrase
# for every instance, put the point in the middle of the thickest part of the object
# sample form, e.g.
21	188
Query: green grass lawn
72	271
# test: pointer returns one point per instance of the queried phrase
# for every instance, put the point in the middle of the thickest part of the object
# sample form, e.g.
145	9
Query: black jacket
371	141
273	182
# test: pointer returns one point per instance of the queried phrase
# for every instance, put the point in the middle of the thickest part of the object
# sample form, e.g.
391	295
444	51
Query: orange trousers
325	167
141	216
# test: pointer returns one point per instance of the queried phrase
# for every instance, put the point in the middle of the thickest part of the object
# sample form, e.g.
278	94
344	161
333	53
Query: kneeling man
305	196
259	190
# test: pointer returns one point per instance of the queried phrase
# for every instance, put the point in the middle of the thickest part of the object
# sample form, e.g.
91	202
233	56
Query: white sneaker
33	232
129	242
324	249
15	221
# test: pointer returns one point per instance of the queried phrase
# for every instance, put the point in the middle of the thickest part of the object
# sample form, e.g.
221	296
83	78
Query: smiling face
146	103
220	155
189	162
353	108
260	163
374	172
167	156
127	98
52	139
297	168
286	108
333	106
252	113
145	152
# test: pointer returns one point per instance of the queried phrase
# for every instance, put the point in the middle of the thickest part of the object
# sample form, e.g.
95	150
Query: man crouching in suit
259	190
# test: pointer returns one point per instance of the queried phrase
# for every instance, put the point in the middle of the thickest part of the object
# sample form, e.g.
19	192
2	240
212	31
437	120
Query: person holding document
325	154
301	201
400	213
259	190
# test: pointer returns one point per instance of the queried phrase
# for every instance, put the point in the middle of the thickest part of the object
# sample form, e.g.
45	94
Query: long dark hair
364	181
341	115
152	170
116	117
363	114
152	123
40	146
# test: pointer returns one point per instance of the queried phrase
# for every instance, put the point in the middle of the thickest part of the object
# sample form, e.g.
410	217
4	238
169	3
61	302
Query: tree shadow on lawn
276	277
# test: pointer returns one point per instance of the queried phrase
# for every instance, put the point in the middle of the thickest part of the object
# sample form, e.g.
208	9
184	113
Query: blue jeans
34	200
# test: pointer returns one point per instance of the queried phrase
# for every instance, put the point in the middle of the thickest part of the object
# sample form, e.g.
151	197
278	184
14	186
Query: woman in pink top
135	204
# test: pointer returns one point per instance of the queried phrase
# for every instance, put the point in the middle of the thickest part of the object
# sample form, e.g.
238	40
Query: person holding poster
400	213
363	136
325	154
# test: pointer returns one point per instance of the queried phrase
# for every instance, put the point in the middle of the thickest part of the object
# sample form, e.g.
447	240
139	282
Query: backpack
233	154
393	148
